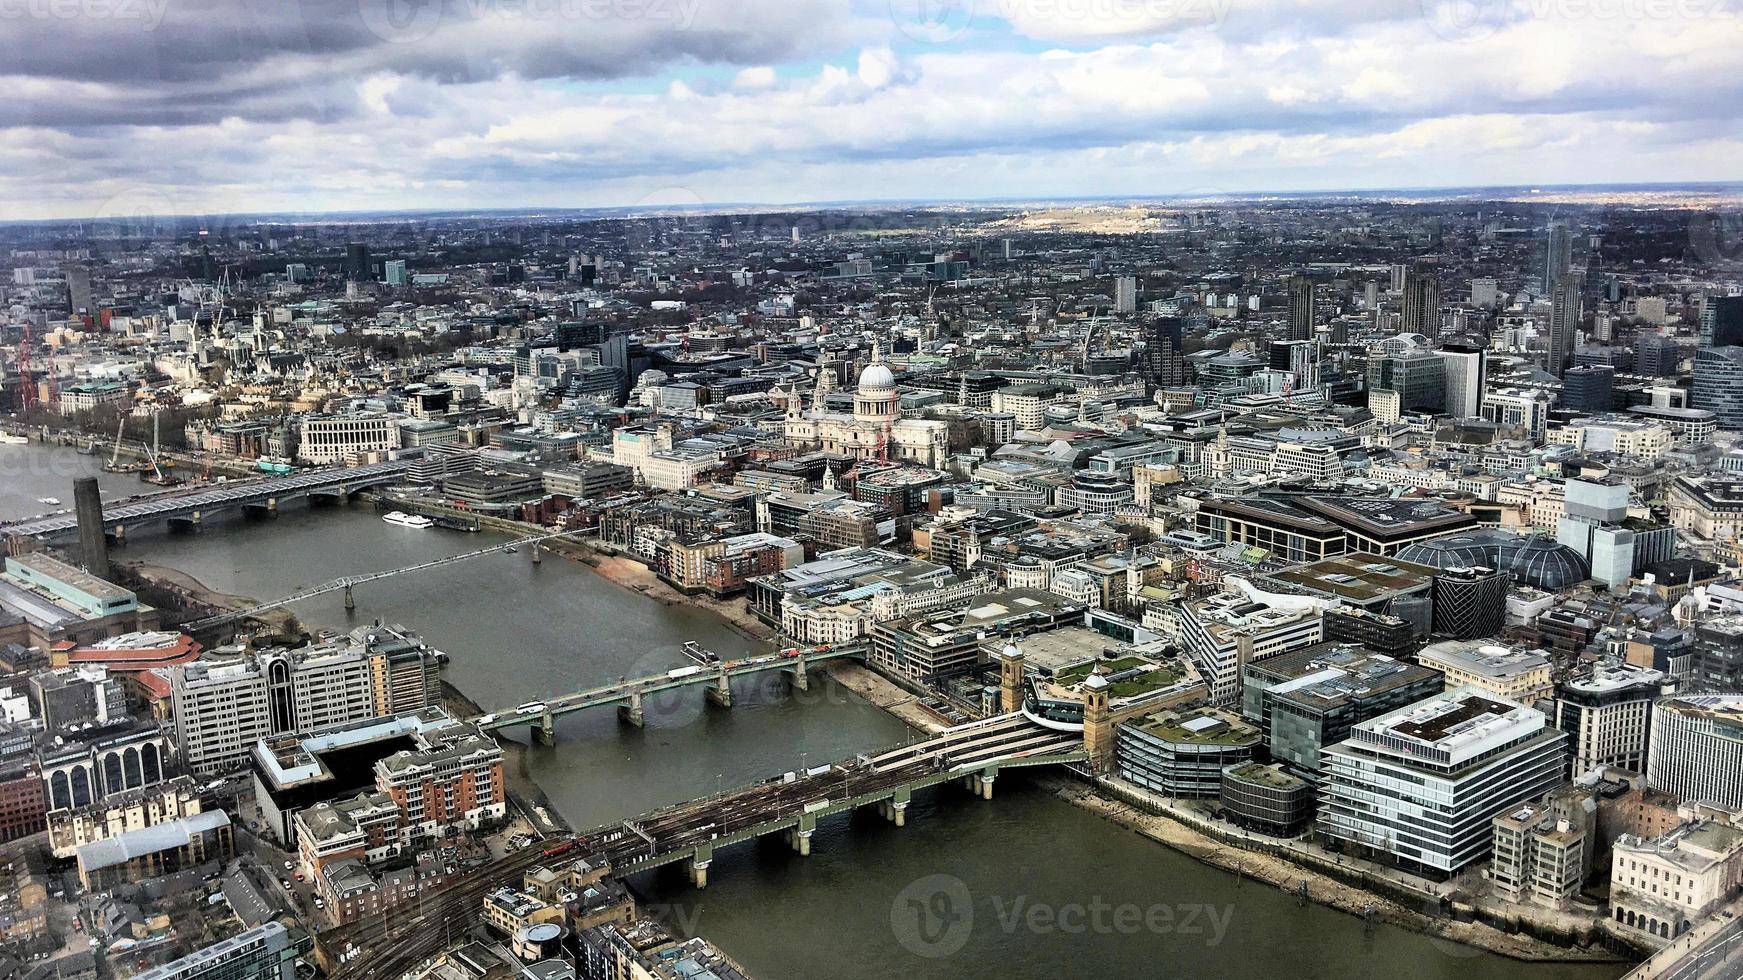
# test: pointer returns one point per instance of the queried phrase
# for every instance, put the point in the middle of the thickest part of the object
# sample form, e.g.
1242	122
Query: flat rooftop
1359	577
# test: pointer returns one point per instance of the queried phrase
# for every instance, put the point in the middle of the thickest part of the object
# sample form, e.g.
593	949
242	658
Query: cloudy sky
127	107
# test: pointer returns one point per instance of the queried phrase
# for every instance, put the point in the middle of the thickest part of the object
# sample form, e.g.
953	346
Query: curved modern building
1536	561
1470	603
1695	752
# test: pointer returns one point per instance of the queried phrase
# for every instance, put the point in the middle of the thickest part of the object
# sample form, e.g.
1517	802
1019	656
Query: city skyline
156	107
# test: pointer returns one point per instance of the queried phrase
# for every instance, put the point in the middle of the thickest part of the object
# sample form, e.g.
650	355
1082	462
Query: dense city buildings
1408	532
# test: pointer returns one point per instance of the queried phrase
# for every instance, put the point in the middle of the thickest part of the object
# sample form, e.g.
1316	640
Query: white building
1662	887
336	438
1423	784
875	430
1696	749
1224	633
221	709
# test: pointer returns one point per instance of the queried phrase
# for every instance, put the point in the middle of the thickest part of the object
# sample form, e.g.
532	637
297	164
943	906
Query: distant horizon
228	107
1473	193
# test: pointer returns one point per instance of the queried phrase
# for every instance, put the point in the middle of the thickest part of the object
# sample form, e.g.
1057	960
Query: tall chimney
93	547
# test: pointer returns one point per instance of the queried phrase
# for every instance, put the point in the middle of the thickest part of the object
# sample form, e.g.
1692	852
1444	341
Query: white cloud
1308	101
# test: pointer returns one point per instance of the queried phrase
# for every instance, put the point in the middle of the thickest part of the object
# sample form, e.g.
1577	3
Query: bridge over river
387	945
189	506
630	694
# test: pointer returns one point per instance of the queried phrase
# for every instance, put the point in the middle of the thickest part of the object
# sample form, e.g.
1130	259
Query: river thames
1034	887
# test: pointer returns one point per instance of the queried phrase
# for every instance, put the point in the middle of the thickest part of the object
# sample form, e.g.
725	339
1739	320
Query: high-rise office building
1422	304
1656	355
1126	294
1557	254
1420	785
393	270
1695	751
1718	386
1470	603
1589	388
1419	377
1466	374
1484	292
1722	321
1607	714
1564	321
79	290
356	261
1300	308
1596	524
1163	363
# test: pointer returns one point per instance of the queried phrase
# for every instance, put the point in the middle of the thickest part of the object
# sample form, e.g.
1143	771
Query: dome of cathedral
877	378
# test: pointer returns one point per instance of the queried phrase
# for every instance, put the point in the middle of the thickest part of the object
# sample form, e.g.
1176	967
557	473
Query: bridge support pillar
801	679
538	553
699	863
119	533
631	713
981	783
799	837
350	600
895	809
720	693
546	730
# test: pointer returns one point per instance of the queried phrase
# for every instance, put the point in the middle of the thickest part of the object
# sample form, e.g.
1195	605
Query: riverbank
1255	865
633	575
1292	877
202	600
523	791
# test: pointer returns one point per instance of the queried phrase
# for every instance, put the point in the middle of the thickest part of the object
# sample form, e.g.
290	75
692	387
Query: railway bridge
390	943
188	507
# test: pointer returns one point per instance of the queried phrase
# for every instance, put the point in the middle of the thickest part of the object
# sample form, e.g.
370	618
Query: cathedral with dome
875	429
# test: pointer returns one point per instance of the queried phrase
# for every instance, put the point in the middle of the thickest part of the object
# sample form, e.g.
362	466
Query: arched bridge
190	505
629	694
388	944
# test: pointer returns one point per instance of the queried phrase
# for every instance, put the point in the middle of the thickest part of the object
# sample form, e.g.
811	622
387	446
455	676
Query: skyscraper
1418	376
1163	363
1422	304
1722	322
1564	319
1466	373
356	261
1719	384
1300	308
79	290
1126	294
1558	254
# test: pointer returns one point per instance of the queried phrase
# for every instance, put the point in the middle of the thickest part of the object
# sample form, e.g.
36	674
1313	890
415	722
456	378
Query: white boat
8	439
51	501
407	520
